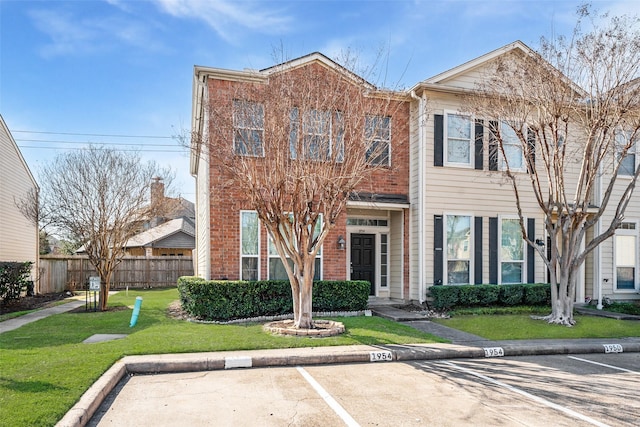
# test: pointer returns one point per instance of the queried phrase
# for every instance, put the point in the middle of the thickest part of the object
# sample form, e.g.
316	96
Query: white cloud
73	34
228	17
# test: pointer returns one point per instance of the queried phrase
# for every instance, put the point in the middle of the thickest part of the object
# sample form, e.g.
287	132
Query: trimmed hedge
224	300
13	279
447	297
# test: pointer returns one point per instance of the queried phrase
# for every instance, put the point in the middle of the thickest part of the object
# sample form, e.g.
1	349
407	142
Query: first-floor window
249	244
384	260
458	263
626	242
511	252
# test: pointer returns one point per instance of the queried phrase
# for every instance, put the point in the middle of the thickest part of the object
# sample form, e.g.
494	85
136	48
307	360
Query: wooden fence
59	273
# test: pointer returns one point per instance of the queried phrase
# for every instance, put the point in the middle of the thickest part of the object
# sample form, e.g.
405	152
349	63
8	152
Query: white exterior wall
18	236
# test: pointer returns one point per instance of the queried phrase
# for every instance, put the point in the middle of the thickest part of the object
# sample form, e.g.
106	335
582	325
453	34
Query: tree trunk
303	319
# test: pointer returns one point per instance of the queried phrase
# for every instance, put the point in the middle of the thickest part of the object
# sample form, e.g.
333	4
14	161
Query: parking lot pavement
559	390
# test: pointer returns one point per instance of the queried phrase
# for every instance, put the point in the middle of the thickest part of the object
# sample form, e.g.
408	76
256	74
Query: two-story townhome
369	240
18	235
442	214
465	220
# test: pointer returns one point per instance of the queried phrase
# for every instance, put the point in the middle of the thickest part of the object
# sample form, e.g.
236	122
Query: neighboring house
175	237
18	235
369	241
447	216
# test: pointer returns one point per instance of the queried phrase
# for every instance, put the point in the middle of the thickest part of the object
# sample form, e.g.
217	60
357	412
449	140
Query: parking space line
603	364
333	404
528	395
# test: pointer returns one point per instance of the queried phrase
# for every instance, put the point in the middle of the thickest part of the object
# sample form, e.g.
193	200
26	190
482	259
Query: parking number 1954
493	352
380	356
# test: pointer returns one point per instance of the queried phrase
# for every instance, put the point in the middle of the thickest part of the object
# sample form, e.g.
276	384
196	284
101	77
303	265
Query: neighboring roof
478	62
4	128
162	231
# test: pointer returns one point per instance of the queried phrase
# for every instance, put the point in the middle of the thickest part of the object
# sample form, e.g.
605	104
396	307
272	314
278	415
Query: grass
523	327
45	367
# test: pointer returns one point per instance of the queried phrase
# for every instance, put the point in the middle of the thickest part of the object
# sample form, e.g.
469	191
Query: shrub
511	294
444	297
13	279
455	296
226	300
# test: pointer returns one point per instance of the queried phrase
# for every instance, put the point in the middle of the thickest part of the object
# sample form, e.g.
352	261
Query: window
248	125
321	136
458	263
511	252
512	146
384	260
276	267
459	140
628	162
249	244
626	243
378	137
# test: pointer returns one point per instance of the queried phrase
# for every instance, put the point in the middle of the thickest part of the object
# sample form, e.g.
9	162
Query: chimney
157	190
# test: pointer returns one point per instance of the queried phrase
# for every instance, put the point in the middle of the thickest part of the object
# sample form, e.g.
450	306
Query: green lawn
523	327
45	367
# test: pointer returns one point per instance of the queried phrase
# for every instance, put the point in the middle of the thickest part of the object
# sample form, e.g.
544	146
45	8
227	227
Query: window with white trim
512	147
626	259
378	137
248	128
628	163
249	245
459	140
458	261
384	260
512	252
317	135
276	267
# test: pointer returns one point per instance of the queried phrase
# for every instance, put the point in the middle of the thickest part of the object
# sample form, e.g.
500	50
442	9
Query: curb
80	414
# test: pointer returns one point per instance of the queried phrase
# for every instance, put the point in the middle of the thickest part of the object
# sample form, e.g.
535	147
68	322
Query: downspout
421	185
596	252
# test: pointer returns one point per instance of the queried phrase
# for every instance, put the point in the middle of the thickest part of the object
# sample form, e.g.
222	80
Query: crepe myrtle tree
296	142
101	197
563	124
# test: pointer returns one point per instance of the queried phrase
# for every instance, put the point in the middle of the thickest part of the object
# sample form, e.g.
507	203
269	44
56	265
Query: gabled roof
162	231
478	62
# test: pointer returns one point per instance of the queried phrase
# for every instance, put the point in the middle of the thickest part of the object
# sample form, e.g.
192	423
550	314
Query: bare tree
571	112
101	196
296	142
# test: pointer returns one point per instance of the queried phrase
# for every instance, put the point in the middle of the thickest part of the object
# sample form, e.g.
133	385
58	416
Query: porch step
396	314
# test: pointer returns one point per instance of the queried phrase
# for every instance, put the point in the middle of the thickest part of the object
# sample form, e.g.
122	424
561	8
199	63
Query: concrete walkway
16	322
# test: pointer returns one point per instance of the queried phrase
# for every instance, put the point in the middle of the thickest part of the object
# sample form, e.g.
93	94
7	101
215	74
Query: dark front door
363	256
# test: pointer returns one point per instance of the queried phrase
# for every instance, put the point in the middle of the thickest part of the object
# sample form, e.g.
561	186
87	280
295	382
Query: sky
119	73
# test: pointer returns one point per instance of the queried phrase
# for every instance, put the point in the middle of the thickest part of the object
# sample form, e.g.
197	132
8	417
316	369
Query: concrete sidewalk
16	322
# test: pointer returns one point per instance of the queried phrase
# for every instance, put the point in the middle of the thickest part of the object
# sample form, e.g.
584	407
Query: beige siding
202	262
396	253
18	236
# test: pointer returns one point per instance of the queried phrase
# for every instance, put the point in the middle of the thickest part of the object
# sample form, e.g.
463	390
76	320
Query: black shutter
477	244
438	141
531	254
493	146
531	148
479	146
438	230
493	251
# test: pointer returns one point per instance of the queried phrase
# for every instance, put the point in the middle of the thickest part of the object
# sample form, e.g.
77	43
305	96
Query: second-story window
378	137
628	162
248	128
513	155
459	149
316	135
